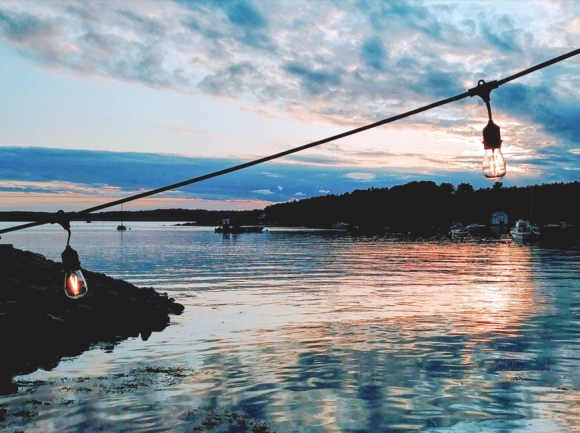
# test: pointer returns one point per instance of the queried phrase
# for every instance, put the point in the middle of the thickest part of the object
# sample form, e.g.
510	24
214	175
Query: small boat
458	231
475	229
340	226
121	227
524	232
228	227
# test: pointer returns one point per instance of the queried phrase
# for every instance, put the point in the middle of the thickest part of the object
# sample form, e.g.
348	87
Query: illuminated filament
75	285
493	164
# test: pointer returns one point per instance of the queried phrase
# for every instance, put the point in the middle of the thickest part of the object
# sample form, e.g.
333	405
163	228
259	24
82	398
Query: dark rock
40	325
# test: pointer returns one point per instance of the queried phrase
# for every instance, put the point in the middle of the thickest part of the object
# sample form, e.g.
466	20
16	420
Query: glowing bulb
75	285
493	163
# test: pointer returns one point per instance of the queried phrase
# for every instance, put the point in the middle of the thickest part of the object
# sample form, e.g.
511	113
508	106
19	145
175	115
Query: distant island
200	216
421	207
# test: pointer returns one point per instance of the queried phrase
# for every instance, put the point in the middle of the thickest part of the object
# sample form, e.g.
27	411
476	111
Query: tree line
423	207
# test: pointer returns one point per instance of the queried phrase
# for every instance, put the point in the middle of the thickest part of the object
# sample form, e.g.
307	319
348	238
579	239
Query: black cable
539	66
470	92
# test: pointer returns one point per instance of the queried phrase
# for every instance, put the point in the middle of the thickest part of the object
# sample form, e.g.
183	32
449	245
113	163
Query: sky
100	100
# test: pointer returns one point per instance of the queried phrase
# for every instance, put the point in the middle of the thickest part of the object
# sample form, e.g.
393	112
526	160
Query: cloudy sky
103	99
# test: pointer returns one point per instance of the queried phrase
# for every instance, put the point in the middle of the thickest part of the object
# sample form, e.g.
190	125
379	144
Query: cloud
116	43
57	187
360	177
315	81
502	33
395	16
96	177
374	53
316	159
263	191
558	114
268	174
293	59
245	16
247	23
230	81
25	28
265	51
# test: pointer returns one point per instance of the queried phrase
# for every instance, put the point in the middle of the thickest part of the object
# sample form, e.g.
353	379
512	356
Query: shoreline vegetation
427	210
423	209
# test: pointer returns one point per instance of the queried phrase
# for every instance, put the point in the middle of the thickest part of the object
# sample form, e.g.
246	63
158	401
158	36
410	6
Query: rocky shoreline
40	325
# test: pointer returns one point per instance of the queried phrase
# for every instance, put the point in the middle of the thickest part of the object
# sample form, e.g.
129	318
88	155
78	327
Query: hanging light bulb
493	166
75	285
493	162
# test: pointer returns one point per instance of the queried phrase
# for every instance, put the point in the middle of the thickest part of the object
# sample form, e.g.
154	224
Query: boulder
40	325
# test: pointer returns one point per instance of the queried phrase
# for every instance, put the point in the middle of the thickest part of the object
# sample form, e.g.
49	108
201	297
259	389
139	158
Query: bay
318	331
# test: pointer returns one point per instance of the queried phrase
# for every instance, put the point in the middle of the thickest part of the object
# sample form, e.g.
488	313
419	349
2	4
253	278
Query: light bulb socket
70	259
491	136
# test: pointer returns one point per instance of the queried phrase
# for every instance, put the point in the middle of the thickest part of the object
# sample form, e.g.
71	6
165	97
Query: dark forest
427	208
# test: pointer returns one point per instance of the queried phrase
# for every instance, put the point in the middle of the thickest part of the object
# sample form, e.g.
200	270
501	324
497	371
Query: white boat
524	232
458	231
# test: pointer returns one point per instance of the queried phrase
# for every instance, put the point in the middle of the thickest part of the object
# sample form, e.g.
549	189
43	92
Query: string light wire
60	217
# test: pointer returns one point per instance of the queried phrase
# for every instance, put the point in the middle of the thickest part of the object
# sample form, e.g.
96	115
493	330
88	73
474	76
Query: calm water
319	332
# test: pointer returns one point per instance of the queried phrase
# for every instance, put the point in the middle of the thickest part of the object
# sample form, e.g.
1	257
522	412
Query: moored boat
228	227
121	227
458	231
475	229
524	232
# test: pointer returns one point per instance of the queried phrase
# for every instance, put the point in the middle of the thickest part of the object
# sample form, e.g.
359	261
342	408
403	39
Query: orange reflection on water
468	288
403	305
386	296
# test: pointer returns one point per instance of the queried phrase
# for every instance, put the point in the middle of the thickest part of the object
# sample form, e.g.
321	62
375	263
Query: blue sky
103	99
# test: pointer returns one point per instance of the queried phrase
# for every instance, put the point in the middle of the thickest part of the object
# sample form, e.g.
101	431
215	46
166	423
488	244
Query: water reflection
322	333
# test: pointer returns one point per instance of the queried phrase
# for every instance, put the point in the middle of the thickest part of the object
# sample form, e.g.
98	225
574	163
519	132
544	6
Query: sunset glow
127	88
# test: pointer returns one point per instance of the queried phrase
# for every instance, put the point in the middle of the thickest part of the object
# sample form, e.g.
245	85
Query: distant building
499	223
499	218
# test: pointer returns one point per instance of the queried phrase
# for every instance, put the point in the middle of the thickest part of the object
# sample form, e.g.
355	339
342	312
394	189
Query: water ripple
322	332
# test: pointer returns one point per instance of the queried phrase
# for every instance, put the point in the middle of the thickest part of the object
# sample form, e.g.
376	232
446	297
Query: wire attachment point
64	221
483	89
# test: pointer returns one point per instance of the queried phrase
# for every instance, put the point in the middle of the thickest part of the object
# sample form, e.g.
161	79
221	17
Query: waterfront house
499	223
